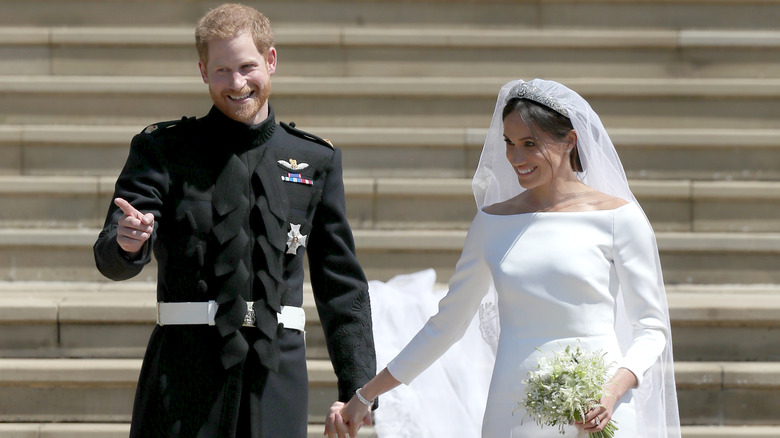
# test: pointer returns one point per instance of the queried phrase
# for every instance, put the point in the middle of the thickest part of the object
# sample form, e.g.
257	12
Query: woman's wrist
381	383
364	400
623	380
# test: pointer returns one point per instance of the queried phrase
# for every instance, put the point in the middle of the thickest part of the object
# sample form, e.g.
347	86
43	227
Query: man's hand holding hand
339	424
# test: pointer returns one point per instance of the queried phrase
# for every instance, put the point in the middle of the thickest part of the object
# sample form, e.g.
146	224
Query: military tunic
235	209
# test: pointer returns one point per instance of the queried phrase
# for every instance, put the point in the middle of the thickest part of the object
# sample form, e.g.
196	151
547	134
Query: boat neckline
556	212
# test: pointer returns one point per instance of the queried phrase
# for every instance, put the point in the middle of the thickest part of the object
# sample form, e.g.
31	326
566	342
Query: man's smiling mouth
242	97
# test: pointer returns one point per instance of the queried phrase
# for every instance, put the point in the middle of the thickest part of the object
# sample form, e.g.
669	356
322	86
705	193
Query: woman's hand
597	418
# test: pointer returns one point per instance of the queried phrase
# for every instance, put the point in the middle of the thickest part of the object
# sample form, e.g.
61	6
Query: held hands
344	420
134	229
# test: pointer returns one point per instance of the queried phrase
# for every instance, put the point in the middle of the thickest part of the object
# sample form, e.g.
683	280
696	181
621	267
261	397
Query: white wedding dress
558	277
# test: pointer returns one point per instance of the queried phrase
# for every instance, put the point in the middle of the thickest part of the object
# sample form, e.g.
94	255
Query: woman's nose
516	155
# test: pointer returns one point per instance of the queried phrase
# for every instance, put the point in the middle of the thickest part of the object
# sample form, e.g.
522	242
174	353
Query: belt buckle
250	320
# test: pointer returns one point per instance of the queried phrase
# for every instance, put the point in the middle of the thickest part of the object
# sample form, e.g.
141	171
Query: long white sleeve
636	262
466	289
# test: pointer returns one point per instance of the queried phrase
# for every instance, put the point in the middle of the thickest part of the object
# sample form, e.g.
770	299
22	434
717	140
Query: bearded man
229	203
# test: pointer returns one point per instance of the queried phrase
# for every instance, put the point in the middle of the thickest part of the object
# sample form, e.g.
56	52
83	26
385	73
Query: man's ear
270	60
203	72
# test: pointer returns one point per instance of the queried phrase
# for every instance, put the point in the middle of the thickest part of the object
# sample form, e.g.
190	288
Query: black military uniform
235	208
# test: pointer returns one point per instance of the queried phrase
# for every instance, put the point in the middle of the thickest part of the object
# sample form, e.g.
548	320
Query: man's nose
237	81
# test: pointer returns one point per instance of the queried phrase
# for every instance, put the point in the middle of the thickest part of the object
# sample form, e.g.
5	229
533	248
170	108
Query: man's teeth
240	97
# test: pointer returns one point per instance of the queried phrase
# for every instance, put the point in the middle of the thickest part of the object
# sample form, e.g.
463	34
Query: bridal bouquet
564	387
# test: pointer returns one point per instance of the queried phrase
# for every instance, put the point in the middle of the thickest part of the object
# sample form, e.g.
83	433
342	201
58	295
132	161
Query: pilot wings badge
292	164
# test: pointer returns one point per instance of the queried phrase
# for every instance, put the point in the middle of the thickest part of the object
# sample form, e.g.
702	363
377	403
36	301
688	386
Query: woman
572	259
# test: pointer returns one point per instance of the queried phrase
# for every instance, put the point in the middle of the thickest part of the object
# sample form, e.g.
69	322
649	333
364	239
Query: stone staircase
688	90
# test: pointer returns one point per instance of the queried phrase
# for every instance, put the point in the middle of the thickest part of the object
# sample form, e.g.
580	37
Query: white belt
293	318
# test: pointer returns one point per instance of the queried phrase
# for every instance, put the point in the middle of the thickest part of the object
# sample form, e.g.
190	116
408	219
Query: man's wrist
130	256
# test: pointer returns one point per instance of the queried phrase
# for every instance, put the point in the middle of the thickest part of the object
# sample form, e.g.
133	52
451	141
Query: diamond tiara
532	92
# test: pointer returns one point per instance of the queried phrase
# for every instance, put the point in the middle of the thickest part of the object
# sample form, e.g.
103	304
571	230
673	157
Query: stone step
116	430
708	258
406	203
64	430
414	203
406	50
77	320
667	14
101	390
120	430
715	326
658	153
390	101
728	393
730	431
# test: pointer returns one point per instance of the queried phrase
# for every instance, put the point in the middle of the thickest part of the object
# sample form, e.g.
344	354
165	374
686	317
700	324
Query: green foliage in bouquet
564	387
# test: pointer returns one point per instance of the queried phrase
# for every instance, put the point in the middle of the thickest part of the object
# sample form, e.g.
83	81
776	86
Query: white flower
564	387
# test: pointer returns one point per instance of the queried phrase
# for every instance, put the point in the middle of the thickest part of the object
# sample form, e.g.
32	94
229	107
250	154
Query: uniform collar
227	127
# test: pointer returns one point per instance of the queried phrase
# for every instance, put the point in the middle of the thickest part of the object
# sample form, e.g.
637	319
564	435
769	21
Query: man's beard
245	113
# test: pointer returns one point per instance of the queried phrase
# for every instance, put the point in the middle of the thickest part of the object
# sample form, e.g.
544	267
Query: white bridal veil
495	181
447	399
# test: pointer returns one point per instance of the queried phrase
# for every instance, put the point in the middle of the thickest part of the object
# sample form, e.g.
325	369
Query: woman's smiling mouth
525	172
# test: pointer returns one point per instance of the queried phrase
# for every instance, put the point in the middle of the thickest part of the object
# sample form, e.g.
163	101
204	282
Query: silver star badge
295	239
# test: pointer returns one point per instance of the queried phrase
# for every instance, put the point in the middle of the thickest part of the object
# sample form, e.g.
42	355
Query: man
229	203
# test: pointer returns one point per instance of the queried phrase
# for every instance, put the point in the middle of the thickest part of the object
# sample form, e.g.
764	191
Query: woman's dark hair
549	121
